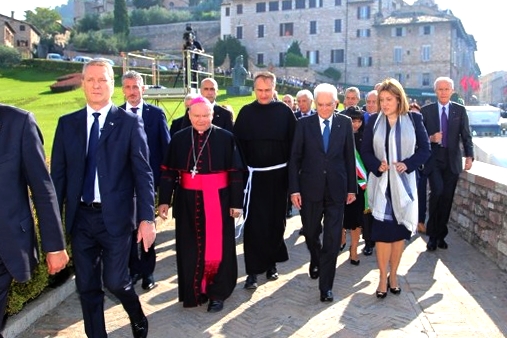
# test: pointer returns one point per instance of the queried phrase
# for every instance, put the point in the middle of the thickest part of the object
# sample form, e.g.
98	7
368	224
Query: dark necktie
134	110
443	126
325	135
91	162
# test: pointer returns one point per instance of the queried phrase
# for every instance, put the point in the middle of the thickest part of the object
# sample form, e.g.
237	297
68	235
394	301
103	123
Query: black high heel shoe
394	291
380	294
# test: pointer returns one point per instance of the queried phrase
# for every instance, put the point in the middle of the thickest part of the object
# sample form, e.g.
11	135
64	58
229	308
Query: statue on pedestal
239	74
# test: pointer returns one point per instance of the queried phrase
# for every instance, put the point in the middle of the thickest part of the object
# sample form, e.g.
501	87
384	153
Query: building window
312	3
366	80
363	33
426	30
398	31
300	4
227	11
260	31
260	7
281	59
337	2
425	80
313	27
287	29
337	55
260	59
338	25
22	28
426	53
365	61
399	77
239	9
363	12
286	5
398	53
239	32
313	57
273	6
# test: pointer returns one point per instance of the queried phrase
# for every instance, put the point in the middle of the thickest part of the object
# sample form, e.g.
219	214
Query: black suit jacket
458	131
311	169
23	166
122	164
221	118
157	132
299	115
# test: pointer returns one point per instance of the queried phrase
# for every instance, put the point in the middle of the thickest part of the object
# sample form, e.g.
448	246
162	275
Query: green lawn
29	89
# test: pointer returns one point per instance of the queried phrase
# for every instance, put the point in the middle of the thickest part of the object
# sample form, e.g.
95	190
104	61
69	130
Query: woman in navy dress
395	144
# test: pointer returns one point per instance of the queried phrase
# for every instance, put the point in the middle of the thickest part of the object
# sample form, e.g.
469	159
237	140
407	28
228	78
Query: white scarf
402	142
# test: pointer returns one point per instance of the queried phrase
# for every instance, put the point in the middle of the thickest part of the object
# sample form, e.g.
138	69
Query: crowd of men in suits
106	170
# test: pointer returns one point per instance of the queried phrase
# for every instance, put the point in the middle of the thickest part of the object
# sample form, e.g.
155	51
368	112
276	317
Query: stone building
366	40
19	34
494	88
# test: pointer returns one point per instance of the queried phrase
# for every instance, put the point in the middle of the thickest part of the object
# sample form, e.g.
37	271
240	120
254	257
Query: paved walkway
447	293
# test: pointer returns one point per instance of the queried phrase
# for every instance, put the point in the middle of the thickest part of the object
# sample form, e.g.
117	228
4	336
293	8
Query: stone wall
479	212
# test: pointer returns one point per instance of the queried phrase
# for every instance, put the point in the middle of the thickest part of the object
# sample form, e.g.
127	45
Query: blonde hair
392	86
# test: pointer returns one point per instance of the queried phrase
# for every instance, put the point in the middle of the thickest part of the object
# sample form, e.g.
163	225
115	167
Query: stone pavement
447	293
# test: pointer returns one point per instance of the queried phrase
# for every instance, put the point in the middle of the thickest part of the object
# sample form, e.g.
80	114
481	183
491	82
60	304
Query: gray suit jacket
23	166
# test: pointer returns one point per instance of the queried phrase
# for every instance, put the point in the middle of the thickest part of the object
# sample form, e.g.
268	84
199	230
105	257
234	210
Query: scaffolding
164	84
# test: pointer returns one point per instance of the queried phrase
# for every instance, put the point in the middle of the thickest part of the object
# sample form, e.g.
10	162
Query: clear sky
485	20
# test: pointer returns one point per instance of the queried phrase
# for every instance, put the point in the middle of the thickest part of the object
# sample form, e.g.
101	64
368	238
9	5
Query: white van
484	120
83	59
54	57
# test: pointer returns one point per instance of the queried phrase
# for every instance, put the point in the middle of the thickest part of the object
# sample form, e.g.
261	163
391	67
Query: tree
295	49
90	22
47	22
294	57
121	18
9	57
230	46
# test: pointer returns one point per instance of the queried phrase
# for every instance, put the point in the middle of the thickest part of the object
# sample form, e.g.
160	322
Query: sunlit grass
29	89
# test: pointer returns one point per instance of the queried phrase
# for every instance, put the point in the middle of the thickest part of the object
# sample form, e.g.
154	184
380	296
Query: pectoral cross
194	171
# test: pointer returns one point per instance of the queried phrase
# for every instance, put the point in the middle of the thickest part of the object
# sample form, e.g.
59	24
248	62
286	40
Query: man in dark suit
322	178
304	99
23	166
104	188
221	117
447	125
142	264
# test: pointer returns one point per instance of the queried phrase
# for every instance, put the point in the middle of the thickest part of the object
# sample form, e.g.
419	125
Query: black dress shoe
148	283
381	295
354	262
140	328
326	296
215	305
272	274
342	247
367	250
314	271
442	244
251	282
432	244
